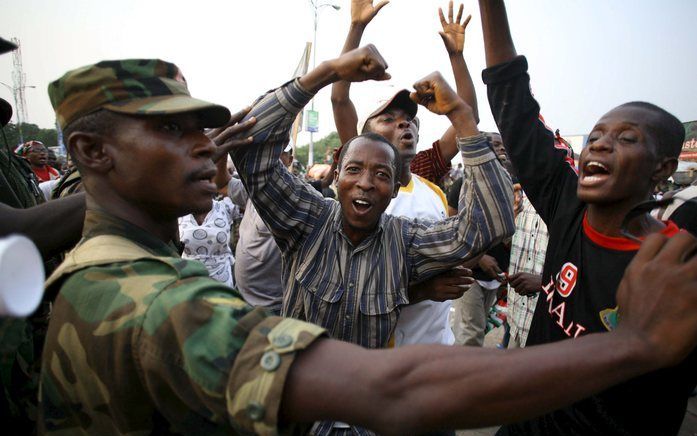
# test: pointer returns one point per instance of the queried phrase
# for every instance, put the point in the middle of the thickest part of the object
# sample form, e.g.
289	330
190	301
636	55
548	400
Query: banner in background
689	147
300	70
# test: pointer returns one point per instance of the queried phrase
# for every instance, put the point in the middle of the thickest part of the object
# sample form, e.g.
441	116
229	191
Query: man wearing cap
426	321
431	164
142	341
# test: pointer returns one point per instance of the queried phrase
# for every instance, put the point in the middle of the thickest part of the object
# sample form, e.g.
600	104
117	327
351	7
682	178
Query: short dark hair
396	161
667	128
100	121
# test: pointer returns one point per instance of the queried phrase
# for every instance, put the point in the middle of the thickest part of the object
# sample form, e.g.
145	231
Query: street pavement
689	425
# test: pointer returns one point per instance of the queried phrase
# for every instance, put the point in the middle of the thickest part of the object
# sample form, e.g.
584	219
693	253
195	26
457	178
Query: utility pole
17	88
315	7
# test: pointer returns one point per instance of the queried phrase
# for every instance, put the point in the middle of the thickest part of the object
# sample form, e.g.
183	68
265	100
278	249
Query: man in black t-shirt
630	150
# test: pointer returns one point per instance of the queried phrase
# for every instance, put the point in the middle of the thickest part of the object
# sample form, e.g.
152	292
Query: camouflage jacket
142	341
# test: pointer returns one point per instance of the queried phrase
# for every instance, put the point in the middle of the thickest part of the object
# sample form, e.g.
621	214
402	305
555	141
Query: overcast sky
585	56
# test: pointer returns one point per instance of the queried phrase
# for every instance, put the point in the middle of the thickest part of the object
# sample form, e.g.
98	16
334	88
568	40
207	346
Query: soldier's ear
90	151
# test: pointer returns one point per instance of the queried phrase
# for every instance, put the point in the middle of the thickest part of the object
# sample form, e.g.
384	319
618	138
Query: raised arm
453	35
498	43
486	196
421	388
345	118
289	206
544	166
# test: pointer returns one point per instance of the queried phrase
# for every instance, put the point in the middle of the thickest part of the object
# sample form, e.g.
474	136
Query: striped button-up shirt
355	291
528	249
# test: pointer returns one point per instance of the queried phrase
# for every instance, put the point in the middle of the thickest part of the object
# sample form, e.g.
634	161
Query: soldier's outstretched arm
39	223
427	387
345	118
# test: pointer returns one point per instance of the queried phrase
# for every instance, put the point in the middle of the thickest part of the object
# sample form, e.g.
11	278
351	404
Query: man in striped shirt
347	265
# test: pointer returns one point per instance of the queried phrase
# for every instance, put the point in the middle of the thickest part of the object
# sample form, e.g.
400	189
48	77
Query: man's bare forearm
464	84
345	116
316	79
463	121
498	43
53	227
429	387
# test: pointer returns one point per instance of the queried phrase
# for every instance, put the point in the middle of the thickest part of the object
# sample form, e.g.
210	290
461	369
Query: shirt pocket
384	292
317	282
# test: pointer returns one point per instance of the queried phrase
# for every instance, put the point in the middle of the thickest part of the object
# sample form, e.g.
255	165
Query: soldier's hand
363	11
361	64
453	33
657	298
434	93
227	137
449	285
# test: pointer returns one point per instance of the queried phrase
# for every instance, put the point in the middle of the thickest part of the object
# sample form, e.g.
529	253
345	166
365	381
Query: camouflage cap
131	86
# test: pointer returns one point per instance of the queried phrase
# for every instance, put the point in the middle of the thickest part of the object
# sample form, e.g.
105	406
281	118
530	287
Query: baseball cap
130	86
399	100
5	112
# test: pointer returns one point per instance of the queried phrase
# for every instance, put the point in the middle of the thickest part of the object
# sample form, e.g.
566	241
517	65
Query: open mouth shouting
407	138
593	173
361	205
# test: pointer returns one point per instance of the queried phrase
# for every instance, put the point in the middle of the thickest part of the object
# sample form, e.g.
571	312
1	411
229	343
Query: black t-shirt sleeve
685	217
544	167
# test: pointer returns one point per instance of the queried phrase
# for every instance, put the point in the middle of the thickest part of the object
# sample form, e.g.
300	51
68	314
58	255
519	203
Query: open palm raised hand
363	11
453	33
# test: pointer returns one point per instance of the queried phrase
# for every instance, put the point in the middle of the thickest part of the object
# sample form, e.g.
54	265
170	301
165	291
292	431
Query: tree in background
323	149
31	132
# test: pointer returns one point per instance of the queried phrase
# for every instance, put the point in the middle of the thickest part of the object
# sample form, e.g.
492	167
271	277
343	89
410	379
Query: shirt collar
100	222
338	219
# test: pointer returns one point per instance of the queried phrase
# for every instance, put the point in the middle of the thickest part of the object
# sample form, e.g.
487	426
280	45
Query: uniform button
282	341
255	411
270	361
348	317
351	285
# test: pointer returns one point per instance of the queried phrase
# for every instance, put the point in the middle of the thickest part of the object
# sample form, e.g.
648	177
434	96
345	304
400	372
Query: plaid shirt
528	249
430	165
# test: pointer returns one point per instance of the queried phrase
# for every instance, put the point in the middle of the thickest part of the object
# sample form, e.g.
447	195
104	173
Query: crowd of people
198	285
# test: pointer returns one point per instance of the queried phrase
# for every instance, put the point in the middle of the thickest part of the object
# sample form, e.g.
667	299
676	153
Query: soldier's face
162	165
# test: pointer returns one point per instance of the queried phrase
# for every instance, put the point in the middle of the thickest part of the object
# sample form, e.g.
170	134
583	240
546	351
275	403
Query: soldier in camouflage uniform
143	341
